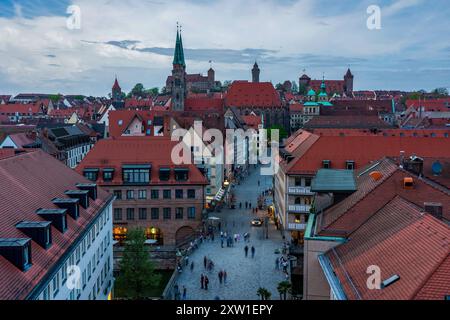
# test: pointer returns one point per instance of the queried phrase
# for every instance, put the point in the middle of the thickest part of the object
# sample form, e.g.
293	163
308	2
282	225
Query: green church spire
178	58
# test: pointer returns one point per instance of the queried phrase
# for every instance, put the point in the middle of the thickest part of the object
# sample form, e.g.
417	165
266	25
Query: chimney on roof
90	187
414	164
81	195
433	208
17	251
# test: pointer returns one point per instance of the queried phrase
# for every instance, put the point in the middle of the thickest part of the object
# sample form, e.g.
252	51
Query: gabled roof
401	240
252	94
374	193
30	181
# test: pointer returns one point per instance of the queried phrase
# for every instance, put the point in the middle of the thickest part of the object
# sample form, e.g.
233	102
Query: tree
137	274
137	91
279	86
263	293
441	91
227	84
153	91
283	288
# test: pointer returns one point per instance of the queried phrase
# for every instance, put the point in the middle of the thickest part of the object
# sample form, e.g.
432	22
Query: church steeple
178	57
178	85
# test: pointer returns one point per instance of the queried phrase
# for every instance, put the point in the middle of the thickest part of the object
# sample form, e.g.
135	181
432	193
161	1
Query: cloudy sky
135	38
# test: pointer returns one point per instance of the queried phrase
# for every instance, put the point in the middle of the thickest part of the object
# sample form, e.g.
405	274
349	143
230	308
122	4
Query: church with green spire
178	83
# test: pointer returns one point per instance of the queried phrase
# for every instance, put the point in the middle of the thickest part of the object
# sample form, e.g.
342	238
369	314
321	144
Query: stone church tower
179	91
255	73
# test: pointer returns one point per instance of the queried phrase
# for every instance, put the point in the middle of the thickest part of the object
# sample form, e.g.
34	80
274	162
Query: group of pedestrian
222	276
255	210
252	251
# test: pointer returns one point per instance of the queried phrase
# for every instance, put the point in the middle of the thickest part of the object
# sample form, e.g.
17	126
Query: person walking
221	243
192	266
246	251
259	183
202	281
220	276
246	205
184	292
206	282
277	263
186	261
224	276
253	251
205	261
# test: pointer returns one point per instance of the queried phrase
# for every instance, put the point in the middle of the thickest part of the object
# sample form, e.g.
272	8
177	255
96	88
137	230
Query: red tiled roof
331	85
138	103
371	195
205	104
397	239
116	152
436	105
21	139
29	182
363	150
11	109
251	94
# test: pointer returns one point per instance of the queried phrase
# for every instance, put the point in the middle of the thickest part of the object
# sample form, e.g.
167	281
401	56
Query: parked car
257	222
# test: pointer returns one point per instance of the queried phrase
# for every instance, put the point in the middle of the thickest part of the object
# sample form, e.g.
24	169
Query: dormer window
39	231
17	251
56	216
181	174
136	174
350	165
91	188
108	174
326	164
164	174
70	204
91	174
82	195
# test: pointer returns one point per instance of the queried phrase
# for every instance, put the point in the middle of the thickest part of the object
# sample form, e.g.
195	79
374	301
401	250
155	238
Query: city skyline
299	35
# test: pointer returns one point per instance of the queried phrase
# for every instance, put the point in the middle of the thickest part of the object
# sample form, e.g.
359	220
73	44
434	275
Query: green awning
332	180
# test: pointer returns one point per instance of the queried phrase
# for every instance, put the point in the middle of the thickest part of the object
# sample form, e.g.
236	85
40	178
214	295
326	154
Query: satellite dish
436	168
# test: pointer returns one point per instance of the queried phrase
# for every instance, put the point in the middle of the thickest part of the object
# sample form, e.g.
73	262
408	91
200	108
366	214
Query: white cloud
290	28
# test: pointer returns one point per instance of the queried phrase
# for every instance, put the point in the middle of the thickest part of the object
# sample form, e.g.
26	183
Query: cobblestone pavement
245	275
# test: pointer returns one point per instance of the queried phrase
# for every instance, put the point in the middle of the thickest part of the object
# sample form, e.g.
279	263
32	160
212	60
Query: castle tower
348	83
255	73
211	78
116	92
179	91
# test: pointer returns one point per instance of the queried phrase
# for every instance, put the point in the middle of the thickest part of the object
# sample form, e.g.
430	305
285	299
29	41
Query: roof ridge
395	197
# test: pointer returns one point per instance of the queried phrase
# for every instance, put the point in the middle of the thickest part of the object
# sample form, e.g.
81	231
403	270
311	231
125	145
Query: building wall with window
86	271
151	192
169	214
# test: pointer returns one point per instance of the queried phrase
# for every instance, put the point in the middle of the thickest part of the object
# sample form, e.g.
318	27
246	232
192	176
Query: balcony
299	208
300	190
296	226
